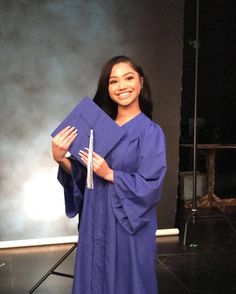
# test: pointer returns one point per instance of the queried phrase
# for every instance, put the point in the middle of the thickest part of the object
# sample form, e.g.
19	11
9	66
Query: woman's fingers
62	141
70	138
97	159
63	133
66	136
84	156
100	166
95	155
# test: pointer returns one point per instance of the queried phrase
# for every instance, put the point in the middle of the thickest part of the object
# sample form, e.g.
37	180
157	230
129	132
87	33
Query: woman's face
125	85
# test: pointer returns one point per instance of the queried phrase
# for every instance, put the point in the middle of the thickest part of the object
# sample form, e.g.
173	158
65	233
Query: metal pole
196	46
194	191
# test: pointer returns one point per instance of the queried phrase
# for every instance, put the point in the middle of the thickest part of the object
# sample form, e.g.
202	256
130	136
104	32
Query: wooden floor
207	265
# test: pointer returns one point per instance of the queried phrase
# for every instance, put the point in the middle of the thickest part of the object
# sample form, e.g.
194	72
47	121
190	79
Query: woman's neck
125	114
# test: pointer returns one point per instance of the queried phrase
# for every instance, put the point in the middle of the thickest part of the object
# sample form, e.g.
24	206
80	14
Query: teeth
123	95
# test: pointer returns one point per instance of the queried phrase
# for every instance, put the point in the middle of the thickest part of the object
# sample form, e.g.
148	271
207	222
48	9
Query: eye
129	78
111	82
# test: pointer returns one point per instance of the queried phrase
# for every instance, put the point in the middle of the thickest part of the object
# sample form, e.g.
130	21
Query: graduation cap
96	130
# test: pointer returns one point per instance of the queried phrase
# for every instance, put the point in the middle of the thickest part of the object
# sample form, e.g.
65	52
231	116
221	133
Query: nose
122	85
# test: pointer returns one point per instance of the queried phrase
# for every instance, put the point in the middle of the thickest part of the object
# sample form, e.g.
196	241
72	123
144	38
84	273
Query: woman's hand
100	167
61	143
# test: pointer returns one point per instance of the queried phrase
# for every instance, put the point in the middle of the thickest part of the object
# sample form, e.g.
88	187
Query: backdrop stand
53	271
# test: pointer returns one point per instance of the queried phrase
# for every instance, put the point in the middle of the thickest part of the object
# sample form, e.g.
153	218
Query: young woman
117	245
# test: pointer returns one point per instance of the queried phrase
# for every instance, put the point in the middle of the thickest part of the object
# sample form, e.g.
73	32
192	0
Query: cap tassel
90	162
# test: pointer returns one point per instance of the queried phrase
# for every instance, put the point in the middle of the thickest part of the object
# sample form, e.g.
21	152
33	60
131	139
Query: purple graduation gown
116	251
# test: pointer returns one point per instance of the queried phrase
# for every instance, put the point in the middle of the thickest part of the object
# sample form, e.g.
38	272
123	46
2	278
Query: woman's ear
141	82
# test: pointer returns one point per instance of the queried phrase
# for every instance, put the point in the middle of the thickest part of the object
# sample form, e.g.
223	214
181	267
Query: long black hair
102	98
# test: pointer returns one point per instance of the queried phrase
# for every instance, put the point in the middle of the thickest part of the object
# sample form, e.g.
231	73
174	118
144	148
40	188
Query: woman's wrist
61	160
110	176
65	164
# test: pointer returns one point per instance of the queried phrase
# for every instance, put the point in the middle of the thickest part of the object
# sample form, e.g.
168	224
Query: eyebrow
130	72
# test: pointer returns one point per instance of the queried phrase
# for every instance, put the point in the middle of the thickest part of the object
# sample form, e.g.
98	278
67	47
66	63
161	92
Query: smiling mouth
124	95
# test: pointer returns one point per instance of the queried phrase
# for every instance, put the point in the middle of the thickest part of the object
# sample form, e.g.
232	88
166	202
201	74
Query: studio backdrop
51	53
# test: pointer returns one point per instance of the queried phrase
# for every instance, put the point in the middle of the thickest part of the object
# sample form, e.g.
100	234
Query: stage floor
207	265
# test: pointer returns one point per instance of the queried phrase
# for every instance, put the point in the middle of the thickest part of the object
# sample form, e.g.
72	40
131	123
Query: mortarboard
95	129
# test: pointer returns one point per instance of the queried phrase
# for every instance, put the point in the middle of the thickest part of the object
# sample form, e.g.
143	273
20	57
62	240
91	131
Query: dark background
216	87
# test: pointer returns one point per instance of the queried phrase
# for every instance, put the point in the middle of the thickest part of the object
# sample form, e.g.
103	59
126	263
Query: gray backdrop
51	53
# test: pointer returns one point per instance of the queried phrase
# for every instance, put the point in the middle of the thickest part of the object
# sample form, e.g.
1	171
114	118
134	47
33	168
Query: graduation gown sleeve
74	186
134	194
